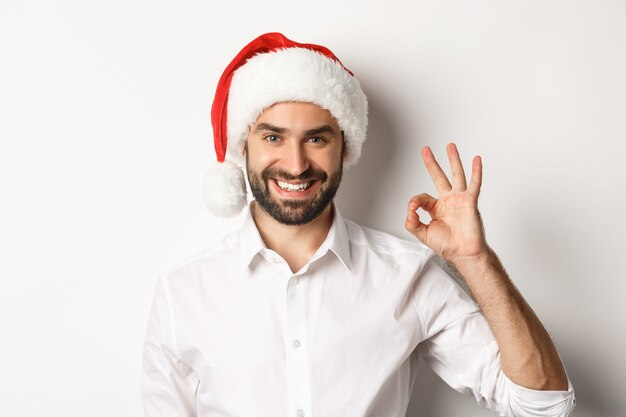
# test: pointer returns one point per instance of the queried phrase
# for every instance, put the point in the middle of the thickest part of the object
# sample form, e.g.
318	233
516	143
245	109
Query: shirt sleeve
168	385
460	347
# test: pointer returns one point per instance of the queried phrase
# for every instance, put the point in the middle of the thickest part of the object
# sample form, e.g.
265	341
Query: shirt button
296	343
296	280
300	412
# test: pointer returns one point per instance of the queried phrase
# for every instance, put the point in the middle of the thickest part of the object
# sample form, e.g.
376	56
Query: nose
296	160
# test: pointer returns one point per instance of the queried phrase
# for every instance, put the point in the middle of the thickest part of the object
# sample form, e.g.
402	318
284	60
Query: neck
295	244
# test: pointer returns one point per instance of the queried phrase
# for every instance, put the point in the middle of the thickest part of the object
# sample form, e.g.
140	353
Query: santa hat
269	70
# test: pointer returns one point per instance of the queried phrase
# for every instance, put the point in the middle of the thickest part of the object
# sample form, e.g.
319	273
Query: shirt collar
336	241
249	238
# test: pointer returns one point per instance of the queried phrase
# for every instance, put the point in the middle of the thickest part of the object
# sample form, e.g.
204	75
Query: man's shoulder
213	254
384	242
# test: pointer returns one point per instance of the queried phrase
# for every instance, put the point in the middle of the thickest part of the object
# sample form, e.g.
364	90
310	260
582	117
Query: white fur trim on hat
295	74
224	189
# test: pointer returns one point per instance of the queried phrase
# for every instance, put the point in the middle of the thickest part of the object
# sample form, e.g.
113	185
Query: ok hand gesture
456	231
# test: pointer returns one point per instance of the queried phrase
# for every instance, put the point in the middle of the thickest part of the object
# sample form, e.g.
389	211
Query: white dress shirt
233	332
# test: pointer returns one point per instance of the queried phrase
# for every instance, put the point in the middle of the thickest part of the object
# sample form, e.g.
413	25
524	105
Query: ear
244	150
344	148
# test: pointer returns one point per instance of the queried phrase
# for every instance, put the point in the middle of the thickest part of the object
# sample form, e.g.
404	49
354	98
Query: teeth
293	187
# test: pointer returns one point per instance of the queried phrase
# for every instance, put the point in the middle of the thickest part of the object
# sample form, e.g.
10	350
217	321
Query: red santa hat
269	70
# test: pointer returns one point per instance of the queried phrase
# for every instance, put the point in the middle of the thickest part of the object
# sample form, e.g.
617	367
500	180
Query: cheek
258	158
336	161
259	164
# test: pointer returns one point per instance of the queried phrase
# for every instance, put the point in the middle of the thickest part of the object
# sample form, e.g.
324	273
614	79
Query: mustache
309	174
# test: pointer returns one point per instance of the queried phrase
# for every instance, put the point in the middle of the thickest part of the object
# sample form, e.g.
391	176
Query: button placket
296	353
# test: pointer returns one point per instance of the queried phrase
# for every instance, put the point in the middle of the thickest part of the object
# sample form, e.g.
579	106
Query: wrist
480	260
480	269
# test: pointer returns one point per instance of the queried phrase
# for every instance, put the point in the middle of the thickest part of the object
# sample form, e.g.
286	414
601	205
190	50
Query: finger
424	201
415	226
477	176
458	174
413	223
436	173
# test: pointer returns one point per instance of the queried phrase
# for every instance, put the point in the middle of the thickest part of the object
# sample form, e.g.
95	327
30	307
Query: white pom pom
224	189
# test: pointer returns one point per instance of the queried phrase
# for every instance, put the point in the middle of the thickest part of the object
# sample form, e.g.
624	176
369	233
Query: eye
271	138
317	139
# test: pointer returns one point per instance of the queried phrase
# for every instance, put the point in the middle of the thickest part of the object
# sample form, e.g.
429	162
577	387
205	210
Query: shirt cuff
526	401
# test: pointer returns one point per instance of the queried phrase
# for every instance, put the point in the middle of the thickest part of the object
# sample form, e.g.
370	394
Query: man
304	313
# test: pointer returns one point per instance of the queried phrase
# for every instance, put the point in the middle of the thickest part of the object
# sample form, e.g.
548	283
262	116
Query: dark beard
294	212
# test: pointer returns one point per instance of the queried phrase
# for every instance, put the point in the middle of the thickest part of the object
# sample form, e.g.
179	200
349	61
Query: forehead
297	115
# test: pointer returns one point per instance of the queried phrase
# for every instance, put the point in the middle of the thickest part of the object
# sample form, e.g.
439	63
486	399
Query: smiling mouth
301	186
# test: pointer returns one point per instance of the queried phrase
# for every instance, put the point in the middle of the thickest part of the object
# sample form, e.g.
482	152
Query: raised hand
456	234
456	231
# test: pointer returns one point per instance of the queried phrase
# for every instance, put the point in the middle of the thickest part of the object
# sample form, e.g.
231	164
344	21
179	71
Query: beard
294	212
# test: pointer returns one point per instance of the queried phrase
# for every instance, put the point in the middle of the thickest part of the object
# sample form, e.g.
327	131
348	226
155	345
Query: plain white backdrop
105	134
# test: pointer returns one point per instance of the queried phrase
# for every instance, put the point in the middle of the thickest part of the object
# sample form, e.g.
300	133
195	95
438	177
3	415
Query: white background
105	134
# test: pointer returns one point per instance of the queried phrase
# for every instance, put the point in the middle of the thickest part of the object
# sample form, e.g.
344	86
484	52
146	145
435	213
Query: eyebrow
310	132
